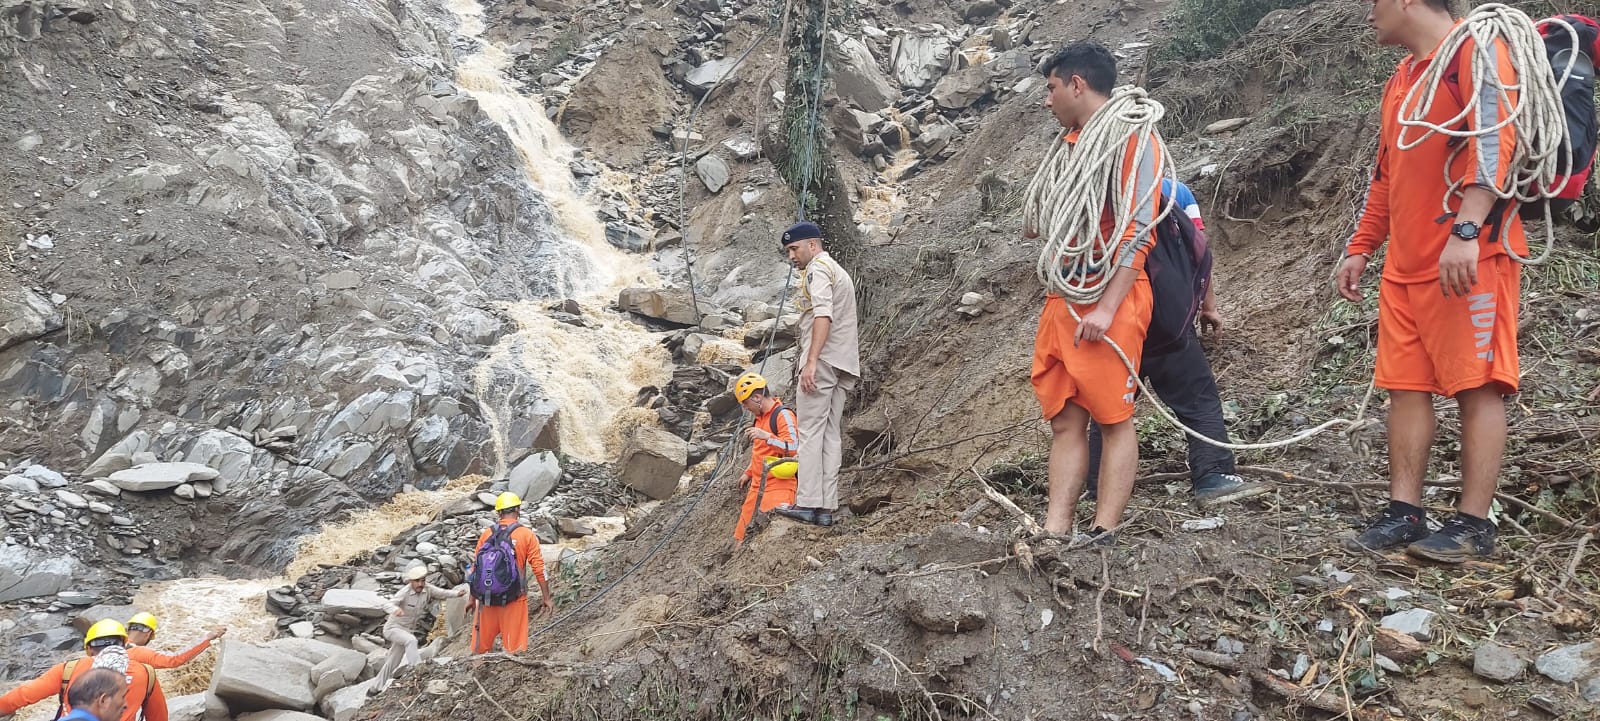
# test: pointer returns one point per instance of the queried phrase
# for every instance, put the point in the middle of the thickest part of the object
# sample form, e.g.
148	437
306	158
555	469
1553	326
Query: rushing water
591	374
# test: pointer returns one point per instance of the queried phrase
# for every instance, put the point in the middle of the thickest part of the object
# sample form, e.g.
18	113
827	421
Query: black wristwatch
1466	230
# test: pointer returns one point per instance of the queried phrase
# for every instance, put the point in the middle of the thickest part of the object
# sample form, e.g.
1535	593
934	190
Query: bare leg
1069	466
1483	445
1119	463
1411	428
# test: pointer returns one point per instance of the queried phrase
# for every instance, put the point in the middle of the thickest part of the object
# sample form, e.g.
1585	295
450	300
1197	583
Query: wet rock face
320	253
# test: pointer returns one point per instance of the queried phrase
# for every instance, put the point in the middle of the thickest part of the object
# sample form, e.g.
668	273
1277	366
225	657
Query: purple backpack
495	578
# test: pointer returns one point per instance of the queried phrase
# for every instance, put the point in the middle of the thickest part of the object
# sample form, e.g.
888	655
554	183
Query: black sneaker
1097	537
1216	488
1390	529
1463	538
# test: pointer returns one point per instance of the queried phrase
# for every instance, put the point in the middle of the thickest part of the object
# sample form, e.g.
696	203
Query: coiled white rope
1537	117
1078	181
1069	195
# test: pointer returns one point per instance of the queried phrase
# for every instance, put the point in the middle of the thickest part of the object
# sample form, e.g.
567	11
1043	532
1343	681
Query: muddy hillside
293	291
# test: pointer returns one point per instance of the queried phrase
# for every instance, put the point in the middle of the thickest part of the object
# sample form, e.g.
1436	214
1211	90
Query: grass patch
1207	27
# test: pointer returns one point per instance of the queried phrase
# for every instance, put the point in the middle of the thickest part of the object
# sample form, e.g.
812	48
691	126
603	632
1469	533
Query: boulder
279	716
1570	663
187	708
303	629
335	673
45	477
918	60
366	604
959	90
26	574
104	487
934	138
705	76
344	704
535	477
653	461
1225	126
713	171
24	314
787	329
744	148
672	306
857	127
944	605
1416	623
856	76
19	484
631	238
253	677
82	620
1497	663
161	476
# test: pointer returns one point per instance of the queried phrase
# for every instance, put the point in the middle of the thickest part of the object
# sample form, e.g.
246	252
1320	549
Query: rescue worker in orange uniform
1447	303
1075	375
104	646
774	434
509	621
142	629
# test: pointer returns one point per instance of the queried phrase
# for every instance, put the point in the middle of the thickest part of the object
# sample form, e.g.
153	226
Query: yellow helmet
143	619
506	500
104	629
747	384
786	469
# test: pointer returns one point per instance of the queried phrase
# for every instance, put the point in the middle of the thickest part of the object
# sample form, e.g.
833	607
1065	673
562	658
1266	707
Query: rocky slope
403	278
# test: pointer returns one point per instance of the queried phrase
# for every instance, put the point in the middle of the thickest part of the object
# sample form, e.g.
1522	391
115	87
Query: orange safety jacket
144	690
781	423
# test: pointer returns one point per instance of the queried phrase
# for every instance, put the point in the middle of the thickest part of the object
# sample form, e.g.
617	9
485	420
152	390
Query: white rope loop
1538	116
1077	182
1070	193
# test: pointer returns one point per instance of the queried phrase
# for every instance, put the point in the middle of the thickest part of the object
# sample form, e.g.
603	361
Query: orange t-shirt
1405	201
1140	235
526	544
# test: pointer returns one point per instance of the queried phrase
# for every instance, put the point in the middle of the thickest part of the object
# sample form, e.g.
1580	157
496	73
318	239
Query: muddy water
591	373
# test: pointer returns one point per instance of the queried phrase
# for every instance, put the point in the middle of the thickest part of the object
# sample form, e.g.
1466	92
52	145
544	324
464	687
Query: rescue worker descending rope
1095	201
773	435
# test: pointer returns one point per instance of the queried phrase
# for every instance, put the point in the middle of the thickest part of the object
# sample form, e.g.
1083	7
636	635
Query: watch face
1466	230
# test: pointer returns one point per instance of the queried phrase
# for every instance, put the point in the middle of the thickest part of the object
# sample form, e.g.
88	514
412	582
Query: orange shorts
1090	375
1434	344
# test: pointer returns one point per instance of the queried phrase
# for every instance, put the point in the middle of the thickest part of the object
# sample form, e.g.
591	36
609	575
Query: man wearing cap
405	608
142	630
830	359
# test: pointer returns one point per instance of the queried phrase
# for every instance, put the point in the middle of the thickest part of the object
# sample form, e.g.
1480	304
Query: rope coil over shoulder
1537	117
1071	192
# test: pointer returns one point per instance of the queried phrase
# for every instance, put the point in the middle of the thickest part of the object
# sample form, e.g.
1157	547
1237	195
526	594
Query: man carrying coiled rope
1447	305
1095	201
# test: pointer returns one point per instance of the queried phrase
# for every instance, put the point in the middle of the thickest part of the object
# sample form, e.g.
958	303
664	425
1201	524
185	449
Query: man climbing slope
142	630
506	553
1094	249
1447	304
104	646
1181	377
772	435
830	368
405	608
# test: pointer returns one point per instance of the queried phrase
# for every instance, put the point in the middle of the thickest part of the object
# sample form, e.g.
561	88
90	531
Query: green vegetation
1206	27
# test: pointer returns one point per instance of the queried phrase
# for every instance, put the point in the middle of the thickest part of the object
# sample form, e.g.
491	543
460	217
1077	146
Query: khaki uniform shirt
826	291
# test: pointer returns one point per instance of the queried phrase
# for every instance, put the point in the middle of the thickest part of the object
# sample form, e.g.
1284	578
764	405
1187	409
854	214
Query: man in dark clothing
1182	379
